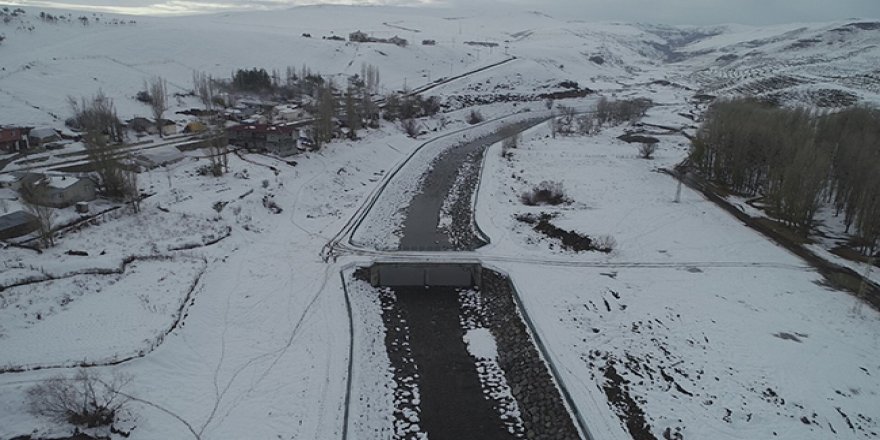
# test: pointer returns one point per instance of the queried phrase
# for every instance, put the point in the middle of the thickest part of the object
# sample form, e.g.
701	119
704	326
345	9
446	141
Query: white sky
651	11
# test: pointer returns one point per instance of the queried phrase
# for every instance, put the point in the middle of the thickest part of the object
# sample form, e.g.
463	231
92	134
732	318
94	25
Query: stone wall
543	412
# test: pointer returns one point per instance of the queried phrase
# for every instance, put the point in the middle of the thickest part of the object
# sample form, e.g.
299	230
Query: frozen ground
262	348
708	328
717	332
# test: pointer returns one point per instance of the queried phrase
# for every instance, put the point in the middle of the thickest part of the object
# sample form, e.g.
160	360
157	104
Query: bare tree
370	111
565	123
392	107
131	191
370	75
511	139
203	87
105	158
586	125
158	100
33	197
352	113
84	400
96	114
218	152
325	112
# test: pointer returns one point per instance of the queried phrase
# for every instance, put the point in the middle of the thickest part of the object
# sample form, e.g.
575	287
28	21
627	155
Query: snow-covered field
261	349
717	332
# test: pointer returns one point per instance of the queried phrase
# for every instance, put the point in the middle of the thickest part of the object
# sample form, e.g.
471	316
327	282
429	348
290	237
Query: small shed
12	139
161	157
17	223
168	127
64	191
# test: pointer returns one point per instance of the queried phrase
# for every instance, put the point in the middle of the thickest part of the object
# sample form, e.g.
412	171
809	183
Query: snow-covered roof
8	194
161	156
42	133
263	128
62	182
15	219
7	179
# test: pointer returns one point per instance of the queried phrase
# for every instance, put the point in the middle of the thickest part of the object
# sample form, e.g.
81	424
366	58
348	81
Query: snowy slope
826	65
259	348
43	63
709	328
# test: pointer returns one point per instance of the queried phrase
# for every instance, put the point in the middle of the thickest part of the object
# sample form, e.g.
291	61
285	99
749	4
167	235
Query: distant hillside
826	65
42	61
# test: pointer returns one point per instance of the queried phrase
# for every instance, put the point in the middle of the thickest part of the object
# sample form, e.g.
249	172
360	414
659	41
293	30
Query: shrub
604	243
647	149
210	169
144	96
618	112
545	193
410	127
511	139
83	400
474	117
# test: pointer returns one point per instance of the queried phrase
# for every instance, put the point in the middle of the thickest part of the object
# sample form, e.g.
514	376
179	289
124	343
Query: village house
17	223
276	139
58	191
295	114
43	135
361	37
13	139
398	41
142	125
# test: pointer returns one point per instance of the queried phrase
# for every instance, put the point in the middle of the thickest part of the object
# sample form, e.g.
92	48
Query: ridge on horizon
663	11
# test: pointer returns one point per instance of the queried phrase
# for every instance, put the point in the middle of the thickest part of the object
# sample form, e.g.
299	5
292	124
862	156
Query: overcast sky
653	11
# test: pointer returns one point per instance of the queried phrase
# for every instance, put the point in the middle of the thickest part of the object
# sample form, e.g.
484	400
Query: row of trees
354	105
103	135
295	83
569	123
798	159
97	117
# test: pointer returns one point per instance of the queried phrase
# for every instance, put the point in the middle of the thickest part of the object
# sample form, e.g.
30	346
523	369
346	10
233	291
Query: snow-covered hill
221	301
825	65
42	62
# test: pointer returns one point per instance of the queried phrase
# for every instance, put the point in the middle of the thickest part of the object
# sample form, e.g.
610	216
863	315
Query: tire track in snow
275	356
